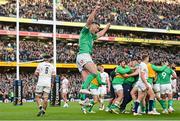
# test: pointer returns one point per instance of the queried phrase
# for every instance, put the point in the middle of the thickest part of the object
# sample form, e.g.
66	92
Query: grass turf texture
29	110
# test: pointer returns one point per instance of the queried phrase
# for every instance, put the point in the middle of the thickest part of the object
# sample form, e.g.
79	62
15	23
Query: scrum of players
139	81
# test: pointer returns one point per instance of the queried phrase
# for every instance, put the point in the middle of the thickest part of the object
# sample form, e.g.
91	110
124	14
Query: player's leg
84	74
64	96
141	95
143	104
163	97
88	71
102	93
161	101
38	93
38	101
119	92
93	102
66	99
101	100
157	91
134	95
46	91
170	103
92	69
111	101
151	101
170	98
84	62
113	96
45	100
127	97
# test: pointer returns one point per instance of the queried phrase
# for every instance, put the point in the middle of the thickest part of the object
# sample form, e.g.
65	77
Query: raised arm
92	16
135	73
102	32
121	70
37	70
158	69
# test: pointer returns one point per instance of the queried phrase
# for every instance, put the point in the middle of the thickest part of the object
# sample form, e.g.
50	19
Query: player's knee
46	99
96	101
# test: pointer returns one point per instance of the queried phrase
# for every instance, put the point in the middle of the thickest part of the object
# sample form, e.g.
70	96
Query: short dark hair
46	56
174	68
99	64
144	55
64	75
94	22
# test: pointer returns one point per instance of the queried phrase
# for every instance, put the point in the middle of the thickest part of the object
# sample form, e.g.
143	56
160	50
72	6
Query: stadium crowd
30	80
138	13
105	53
29	83
76	31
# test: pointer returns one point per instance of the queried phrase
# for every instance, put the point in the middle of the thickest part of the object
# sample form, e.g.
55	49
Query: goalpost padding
55	98
18	92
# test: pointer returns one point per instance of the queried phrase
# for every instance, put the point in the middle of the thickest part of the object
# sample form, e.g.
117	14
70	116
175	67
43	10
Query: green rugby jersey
86	41
165	76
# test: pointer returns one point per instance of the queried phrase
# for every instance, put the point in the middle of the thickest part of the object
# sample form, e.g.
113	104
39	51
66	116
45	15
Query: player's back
143	68
165	75
45	70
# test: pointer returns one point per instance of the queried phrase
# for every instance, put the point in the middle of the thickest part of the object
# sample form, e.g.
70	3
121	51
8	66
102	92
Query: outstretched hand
108	25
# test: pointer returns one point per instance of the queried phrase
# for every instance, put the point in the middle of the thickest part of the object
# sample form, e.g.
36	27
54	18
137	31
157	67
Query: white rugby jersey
65	83
45	70
173	81
104	76
143	68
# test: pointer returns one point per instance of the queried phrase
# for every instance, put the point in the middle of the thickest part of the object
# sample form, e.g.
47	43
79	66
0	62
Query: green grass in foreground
29	110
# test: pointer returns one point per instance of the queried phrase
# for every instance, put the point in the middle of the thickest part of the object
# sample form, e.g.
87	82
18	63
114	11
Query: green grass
29	110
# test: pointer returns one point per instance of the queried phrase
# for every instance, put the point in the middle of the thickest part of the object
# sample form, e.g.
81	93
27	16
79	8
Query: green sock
90	109
113	106
142	107
163	105
154	104
109	105
170	103
88	81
